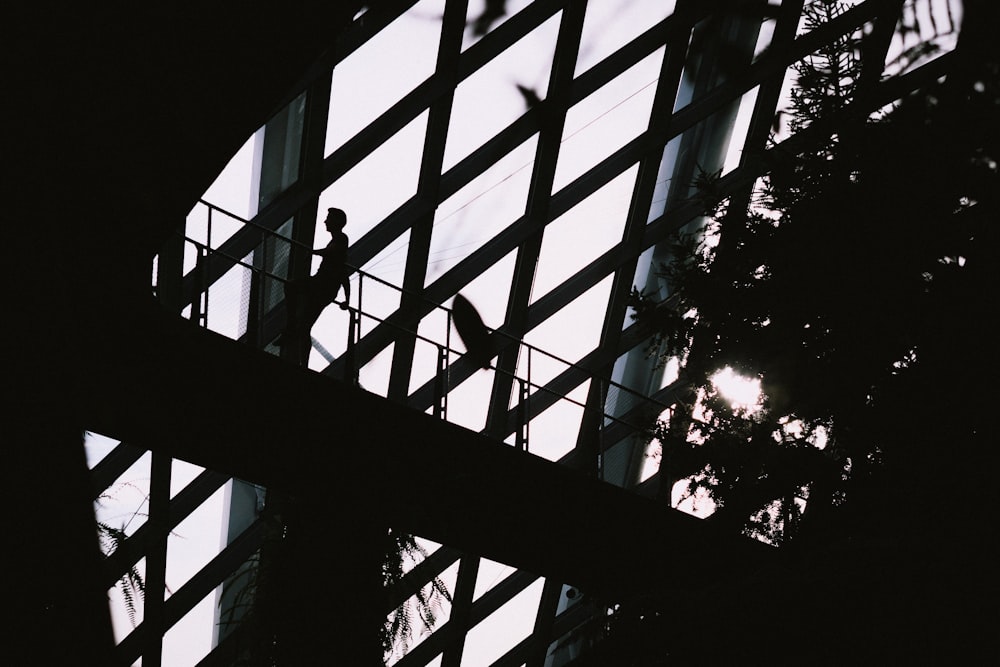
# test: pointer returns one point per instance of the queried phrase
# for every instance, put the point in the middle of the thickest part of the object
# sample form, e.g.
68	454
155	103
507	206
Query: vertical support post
521	439
170	272
526	400
199	305
461	608
361	300
352	372
447	333
55	603
441	384
537	208
208	228
350	356
156	558
314	629
602	392
428	189
254	307
203	284
548	607
202	268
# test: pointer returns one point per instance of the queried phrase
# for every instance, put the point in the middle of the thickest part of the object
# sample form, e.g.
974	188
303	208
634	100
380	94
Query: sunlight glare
742	392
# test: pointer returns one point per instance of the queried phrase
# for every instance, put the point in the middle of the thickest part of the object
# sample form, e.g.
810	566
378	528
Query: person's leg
312	307
309	306
293	316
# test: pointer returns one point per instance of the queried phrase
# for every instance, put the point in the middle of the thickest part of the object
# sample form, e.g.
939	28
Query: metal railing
635	420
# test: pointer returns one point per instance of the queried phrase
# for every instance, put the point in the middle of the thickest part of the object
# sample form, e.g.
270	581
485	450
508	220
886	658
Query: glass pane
277	161
489	292
571	333
97	446
232	188
379	295
480	210
610	25
490	100
383	70
228	299
469	401
377	185
329	335
503	629
194	542
211	226
127	607
554	432
583	233
374	376
190	639
124	505
927	29
489	575
741	125
182	473
442	612
433	328
608	119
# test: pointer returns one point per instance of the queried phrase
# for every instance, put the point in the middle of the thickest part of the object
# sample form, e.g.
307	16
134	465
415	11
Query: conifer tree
826	289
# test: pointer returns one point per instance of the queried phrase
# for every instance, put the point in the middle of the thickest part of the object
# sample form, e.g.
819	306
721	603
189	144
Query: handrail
402	290
529	388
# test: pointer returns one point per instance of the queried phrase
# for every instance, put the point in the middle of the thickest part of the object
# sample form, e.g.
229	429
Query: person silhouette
306	298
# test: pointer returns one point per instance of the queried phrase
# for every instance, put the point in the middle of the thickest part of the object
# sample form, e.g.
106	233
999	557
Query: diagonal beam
551	521
414	103
428	187
737	181
452	281
537	213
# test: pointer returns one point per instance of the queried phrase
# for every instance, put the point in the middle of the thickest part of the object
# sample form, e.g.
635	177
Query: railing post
350	356
521	440
441	384
361	294
254	309
199	305
526	401
208	228
170	272
602	391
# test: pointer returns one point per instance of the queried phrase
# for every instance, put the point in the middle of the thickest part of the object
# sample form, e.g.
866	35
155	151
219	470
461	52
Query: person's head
336	219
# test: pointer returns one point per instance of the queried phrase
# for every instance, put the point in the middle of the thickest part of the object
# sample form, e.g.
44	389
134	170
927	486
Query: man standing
306	298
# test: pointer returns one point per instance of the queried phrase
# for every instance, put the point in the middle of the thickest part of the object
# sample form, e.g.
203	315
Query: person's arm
328	251
345	282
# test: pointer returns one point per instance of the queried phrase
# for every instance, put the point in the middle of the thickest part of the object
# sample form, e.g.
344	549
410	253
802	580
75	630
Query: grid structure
717	74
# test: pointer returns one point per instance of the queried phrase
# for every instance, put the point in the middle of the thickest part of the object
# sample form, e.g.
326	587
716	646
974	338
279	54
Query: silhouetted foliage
131	584
266	588
781	298
418	615
856	288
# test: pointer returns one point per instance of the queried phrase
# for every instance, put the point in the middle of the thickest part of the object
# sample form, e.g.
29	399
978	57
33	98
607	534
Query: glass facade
538	169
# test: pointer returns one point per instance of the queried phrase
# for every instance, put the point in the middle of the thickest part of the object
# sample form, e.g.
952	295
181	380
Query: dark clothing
332	269
306	298
309	296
